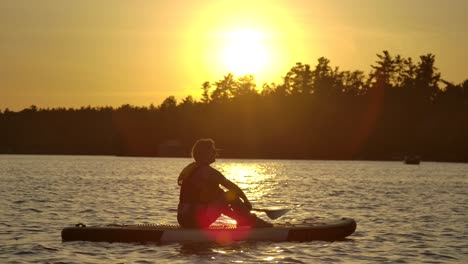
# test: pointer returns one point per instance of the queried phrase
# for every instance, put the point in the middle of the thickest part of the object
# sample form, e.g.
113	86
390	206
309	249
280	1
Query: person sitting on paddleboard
202	200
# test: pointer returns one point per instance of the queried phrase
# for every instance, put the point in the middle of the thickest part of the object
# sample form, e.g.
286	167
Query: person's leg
197	216
207	215
185	216
237	210
241	217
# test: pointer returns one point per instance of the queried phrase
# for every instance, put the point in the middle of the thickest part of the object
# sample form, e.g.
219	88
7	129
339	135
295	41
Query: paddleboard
327	230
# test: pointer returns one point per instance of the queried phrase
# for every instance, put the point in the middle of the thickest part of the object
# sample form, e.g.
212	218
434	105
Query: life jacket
190	189
196	190
187	171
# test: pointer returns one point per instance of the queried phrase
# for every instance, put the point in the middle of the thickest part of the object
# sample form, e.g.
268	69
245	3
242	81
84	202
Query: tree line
400	107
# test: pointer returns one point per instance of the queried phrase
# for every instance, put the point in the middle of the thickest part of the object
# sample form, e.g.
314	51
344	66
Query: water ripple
404	214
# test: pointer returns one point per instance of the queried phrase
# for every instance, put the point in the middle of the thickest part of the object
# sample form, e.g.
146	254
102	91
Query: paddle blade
273	214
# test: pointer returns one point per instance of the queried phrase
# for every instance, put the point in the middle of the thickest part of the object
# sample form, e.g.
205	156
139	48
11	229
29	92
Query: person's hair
201	149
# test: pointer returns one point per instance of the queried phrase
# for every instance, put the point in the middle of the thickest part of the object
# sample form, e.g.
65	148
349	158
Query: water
405	213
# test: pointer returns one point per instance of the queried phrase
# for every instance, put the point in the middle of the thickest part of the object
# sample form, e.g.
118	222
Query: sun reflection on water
254	178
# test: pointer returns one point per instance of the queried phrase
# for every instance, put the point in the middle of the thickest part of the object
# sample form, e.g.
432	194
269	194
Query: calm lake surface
405	213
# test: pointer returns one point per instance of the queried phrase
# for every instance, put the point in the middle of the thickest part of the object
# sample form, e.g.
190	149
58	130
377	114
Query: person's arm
234	188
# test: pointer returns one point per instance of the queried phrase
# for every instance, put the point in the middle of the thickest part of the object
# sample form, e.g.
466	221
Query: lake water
404	213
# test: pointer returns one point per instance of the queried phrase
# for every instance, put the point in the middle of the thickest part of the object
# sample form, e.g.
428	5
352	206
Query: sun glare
245	52
251	176
225	37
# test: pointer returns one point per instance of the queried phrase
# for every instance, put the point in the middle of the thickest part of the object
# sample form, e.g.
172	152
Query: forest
400	107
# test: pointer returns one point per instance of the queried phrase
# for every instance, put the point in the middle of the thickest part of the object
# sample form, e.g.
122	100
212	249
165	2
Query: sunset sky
56	53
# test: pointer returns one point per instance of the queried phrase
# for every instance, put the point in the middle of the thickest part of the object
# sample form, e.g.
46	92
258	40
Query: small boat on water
412	159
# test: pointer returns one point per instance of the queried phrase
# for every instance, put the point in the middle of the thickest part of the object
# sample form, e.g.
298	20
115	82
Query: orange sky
57	53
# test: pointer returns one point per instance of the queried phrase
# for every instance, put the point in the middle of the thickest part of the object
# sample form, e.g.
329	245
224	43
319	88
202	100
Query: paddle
273	213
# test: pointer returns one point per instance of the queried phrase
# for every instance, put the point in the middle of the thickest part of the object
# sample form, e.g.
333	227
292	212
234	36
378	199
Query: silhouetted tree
244	86
206	92
224	89
399	107
427	78
169	103
298	80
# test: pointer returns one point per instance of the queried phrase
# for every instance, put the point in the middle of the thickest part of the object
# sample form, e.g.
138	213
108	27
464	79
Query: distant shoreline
226	158
400	109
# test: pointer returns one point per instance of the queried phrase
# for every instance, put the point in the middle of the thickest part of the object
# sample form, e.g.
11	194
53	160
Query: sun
224	37
245	52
